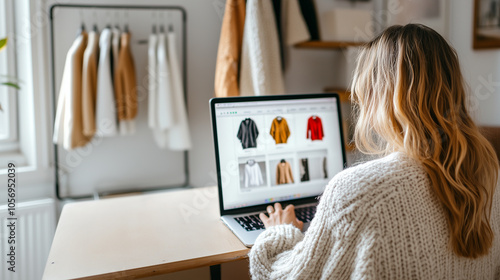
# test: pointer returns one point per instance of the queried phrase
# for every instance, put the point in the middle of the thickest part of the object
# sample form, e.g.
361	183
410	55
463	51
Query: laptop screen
277	150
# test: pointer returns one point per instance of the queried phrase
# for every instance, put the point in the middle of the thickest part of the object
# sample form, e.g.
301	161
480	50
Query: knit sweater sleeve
340	242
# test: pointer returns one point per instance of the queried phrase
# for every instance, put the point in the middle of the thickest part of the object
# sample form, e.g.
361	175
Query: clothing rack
54	93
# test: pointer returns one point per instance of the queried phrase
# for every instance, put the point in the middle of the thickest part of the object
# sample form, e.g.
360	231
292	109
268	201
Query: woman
428	209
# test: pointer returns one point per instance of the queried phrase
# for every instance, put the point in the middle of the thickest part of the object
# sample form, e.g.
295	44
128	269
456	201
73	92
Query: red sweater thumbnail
315	128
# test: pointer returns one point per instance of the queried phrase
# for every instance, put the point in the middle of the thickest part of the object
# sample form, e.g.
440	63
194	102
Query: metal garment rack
54	101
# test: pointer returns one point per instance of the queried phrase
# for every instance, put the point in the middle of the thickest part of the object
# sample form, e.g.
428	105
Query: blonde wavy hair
409	95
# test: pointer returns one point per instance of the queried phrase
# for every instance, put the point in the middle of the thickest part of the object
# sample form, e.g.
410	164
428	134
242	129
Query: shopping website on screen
277	150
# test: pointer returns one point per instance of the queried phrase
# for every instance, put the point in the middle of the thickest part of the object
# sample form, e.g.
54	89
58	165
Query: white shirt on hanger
179	136
152	80
253	175
167	115
105	104
165	109
260	59
159	135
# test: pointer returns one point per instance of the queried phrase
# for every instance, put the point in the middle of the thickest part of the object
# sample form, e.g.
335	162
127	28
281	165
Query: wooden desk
141	236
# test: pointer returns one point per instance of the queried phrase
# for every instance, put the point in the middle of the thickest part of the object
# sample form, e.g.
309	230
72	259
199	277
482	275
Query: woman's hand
278	216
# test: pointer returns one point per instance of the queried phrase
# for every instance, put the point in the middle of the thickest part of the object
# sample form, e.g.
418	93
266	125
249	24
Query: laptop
268	149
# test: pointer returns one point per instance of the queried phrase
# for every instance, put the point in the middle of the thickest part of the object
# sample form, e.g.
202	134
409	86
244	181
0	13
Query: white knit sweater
377	220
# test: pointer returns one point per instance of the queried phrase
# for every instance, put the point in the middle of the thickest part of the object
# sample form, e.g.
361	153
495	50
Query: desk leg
215	272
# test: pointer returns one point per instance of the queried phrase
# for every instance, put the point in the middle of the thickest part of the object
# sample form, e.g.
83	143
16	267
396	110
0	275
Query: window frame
8	95
33	158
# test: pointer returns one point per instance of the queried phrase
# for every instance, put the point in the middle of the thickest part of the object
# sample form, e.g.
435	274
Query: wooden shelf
345	95
327	44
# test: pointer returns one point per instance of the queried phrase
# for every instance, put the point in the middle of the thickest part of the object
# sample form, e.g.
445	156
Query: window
8	95
25	127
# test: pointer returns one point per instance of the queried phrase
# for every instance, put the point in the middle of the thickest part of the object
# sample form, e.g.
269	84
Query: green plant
7	80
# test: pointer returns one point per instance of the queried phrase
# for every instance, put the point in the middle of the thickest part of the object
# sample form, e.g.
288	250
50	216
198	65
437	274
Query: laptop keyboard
253	222
250	223
306	214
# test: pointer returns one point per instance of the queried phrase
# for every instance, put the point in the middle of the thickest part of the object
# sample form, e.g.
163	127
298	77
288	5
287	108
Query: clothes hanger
125	28
81	29
153	16
117	26
160	22
108	16
94	26
170	27
82	24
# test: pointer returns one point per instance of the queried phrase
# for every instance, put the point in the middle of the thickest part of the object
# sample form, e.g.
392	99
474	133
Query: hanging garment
165	107
125	87
277	9
105	103
279	130
308	9
160	114
325	172
295	27
314	128
115	50
248	133
179	136
229	53
284	173
253	175
68	126
89	84
260	61
304	170
154	108
152	80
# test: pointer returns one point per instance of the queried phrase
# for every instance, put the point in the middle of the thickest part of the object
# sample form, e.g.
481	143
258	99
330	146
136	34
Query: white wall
308	71
481	68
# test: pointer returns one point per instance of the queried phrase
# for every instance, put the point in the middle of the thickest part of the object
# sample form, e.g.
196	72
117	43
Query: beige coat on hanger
284	173
125	87
230	44
89	84
68	127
